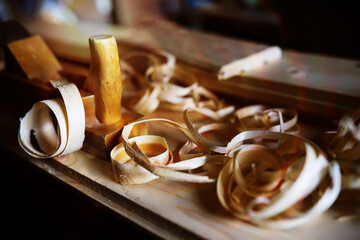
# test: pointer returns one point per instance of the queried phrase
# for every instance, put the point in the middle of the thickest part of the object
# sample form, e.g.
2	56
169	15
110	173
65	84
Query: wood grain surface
316	84
173	209
195	207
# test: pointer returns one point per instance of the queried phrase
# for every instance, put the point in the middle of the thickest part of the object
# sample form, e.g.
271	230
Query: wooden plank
126	208
320	85
177	210
31	54
194	207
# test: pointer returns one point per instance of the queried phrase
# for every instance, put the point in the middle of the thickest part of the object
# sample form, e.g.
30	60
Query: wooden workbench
176	210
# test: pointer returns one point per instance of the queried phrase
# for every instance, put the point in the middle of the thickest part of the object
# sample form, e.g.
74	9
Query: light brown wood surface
178	210
195	207
32	54
316	84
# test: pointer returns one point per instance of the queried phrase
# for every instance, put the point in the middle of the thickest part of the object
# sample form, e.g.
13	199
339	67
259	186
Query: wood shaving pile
264	172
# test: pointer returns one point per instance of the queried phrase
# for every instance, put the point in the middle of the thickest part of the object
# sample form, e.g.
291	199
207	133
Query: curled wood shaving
278	187
250	62
167	169
157	89
68	133
345	148
261	117
264	175
346	143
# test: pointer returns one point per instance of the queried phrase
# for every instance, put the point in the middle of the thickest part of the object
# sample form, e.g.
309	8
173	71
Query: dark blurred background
322	27
35	204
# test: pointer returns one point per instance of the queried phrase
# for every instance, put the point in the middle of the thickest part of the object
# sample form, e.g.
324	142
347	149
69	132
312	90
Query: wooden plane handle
104	79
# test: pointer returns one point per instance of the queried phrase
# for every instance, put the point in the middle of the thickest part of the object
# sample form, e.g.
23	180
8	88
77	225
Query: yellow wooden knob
104	79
